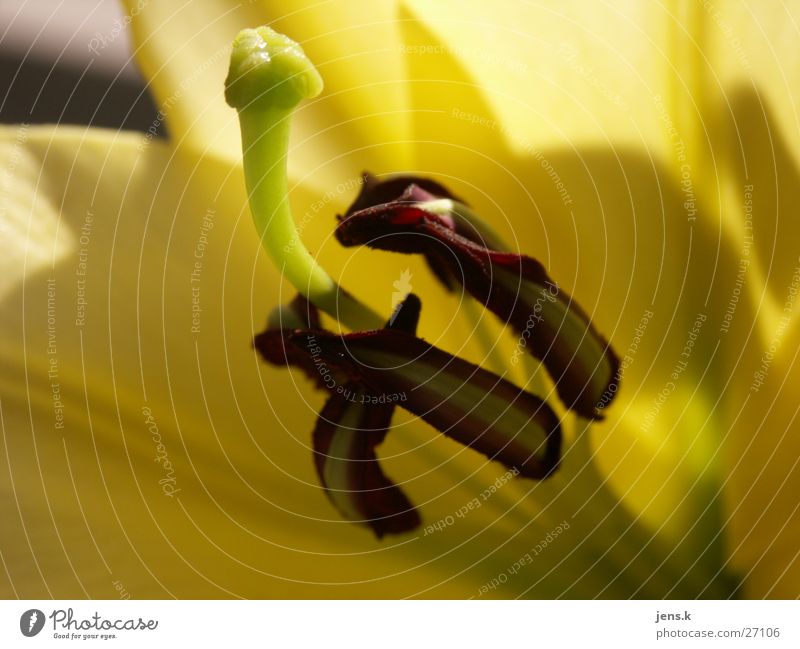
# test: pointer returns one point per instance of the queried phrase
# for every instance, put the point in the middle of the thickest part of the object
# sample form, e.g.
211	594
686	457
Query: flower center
383	365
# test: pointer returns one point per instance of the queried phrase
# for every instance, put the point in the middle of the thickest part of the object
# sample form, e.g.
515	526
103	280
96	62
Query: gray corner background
69	61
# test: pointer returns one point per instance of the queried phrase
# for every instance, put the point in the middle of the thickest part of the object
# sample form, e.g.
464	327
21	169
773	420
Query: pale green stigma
271	69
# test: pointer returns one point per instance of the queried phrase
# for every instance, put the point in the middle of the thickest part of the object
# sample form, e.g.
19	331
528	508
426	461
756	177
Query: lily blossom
644	154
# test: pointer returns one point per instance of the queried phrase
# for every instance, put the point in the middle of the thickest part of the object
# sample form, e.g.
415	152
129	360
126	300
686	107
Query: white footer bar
400	624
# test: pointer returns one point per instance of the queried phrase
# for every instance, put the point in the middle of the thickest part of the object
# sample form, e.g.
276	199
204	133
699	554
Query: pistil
268	77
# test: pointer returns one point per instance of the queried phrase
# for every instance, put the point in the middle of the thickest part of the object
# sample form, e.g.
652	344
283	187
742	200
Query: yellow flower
644	153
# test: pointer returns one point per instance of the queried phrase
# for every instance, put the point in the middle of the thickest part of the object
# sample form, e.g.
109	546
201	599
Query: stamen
348	430
461	248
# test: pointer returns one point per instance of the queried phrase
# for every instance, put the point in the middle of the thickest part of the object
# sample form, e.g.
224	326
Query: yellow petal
764	448
130	385
746	110
606	141
27	245
552	73
144	445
